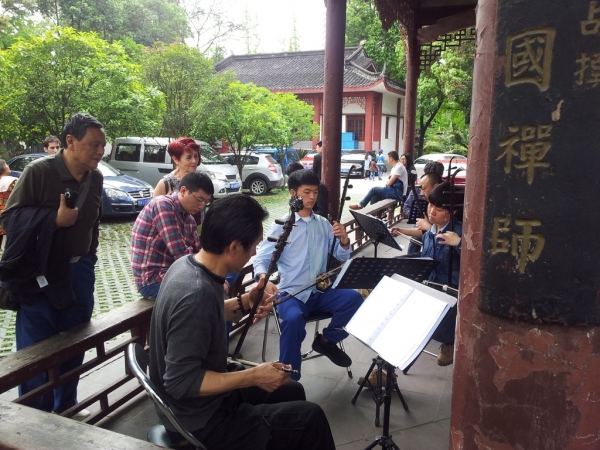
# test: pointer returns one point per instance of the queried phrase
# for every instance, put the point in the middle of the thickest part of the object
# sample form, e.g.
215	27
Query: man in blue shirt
301	261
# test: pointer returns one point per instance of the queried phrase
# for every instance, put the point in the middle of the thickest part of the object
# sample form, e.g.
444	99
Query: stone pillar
527	355
410	106
332	99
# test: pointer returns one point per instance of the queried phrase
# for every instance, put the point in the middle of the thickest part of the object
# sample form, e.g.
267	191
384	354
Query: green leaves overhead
62	72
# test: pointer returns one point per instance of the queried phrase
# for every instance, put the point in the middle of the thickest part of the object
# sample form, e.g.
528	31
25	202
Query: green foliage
49	78
182	74
444	101
246	115
384	47
293	121
144	21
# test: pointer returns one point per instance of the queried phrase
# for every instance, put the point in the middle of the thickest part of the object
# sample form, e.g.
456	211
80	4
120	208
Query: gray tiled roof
301	70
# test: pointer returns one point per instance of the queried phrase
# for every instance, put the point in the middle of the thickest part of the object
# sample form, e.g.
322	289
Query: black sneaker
332	351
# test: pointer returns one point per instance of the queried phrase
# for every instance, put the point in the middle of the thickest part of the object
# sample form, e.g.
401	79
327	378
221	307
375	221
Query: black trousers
252	418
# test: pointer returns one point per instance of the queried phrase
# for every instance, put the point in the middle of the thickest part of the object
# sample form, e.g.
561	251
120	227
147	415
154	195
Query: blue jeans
40	320
379	170
374	195
343	303
446	330
150	291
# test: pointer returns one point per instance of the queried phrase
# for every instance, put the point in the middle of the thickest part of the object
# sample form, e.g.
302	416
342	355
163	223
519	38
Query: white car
260	173
424	159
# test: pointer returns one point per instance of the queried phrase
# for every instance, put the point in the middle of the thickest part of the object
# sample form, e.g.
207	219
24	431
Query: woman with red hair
186	154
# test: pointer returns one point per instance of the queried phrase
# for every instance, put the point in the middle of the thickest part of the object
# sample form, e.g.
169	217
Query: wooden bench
49	354
22	427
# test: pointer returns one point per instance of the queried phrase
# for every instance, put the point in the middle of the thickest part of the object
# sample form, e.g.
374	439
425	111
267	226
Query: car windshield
108	171
210	155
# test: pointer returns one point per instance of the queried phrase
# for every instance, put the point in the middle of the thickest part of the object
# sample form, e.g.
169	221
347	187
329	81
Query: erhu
296	205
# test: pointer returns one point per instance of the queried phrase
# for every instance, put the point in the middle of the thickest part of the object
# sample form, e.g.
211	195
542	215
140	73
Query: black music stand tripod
377	231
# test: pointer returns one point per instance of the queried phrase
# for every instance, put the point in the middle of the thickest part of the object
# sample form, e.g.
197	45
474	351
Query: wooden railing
49	354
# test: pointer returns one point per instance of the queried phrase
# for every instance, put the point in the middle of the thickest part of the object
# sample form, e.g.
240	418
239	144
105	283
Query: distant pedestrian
51	145
380	160
372	170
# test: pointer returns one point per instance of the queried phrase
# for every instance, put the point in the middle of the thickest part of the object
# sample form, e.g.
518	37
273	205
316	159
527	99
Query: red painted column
335	29
369	122
377	112
410	107
398	121
316	115
527	354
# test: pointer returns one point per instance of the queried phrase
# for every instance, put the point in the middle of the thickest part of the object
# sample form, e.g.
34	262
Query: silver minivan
147	158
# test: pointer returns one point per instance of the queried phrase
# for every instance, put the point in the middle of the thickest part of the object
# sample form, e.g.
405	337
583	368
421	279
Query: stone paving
114	280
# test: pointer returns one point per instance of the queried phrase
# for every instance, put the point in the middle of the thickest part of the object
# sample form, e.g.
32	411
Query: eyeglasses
201	201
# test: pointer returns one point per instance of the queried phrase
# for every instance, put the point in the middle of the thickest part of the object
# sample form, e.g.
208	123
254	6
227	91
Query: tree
183	75
294	45
64	71
246	115
294	121
384	47
444	100
144	21
210	25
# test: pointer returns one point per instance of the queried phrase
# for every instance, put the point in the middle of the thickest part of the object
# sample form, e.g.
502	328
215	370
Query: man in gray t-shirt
257	408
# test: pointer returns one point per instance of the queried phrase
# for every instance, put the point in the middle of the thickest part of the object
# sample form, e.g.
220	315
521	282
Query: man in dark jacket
43	184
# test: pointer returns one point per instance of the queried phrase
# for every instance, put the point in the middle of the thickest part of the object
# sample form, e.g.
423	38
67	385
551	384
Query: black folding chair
138	361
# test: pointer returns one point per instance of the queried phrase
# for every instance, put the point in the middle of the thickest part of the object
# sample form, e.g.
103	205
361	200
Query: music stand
366	273
407	321
377	231
415	212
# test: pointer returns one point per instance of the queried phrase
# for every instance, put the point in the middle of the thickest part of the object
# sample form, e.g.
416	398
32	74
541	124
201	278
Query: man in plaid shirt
165	230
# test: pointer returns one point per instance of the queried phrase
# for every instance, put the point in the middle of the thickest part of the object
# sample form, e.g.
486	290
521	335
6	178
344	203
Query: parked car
260	173
308	160
422	160
284	158
356	158
147	158
121	194
461	175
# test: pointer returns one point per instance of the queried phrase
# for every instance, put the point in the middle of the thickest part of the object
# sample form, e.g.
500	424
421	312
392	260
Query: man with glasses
165	230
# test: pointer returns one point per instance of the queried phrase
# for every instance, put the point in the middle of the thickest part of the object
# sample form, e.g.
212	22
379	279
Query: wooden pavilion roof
432	24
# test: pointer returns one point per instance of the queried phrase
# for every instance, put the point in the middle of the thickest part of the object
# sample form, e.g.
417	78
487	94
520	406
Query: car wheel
258	187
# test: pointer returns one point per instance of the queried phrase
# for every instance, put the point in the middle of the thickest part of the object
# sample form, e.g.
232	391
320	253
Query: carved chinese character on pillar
544	163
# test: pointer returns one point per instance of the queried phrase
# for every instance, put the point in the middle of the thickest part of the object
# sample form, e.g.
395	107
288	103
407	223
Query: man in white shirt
395	187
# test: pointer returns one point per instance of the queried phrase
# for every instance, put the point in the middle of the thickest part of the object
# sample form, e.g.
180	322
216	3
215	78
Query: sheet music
398	319
378	309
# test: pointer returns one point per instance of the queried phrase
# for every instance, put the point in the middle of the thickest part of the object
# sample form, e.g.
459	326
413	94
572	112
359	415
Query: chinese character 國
529	58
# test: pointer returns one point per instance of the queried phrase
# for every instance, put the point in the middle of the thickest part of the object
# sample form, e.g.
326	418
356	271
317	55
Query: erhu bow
296	205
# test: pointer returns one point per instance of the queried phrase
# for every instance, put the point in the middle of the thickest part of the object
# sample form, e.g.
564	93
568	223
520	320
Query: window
18	165
387	127
154	153
356	125
128	152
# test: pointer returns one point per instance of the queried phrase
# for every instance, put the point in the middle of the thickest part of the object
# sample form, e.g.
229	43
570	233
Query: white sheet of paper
378	309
